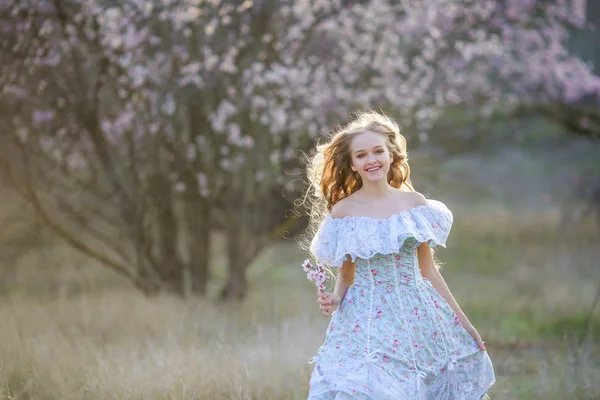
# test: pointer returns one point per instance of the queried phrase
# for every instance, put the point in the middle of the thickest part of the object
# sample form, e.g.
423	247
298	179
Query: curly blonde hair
329	172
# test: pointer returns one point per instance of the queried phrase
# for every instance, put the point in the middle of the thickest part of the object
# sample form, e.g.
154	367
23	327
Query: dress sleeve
435	224
324	243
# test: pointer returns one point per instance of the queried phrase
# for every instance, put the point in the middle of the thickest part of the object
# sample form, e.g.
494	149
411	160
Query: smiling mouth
373	169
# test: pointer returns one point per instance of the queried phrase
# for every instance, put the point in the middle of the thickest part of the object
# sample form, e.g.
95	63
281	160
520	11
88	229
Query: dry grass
71	330
121	345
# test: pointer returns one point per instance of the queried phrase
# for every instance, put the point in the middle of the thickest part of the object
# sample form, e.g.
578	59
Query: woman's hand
328	302
473	332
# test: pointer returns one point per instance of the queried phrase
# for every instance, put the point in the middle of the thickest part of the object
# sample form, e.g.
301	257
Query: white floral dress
394	336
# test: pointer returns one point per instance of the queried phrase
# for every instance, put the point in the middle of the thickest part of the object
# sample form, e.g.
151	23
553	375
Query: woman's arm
330	302
345	279
429	271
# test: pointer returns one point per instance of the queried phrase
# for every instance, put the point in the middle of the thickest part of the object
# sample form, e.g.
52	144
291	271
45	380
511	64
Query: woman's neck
376	190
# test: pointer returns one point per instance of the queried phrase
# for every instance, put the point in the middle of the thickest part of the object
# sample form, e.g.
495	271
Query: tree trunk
170	266
197	214
197	208
246	227
237	235
236	286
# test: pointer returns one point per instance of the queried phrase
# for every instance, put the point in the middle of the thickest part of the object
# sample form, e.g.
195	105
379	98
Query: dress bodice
389	270
365	237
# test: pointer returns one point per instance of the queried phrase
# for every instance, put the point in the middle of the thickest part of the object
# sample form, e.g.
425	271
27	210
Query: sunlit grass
72	330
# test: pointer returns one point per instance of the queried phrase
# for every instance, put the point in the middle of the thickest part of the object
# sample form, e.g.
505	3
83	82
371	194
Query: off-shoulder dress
393	335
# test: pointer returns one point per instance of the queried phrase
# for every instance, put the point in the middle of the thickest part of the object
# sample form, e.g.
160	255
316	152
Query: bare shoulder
340	209
411	199
418	199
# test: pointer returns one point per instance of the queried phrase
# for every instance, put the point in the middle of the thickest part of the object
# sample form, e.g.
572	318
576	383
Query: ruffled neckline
394	215
364	236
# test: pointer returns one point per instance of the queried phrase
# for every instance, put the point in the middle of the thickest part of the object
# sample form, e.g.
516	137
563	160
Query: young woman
396	331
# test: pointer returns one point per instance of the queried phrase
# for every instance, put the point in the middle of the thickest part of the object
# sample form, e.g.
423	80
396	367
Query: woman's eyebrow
359	150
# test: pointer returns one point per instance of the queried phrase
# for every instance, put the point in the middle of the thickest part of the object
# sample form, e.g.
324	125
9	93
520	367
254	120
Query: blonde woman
396	331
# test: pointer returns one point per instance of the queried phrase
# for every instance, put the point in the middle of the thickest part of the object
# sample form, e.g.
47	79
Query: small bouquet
316	274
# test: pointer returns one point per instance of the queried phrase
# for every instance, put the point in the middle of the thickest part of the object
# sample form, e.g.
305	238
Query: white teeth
373	169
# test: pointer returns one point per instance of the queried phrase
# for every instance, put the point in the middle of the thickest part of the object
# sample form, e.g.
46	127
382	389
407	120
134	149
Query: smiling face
370	156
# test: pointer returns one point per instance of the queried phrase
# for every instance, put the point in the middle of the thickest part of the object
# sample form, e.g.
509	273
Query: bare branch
29	195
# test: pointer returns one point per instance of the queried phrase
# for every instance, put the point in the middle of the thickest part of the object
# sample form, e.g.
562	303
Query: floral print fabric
394	336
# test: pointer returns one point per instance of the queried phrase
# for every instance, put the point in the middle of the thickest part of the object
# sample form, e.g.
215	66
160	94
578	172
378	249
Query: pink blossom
316	274
306	265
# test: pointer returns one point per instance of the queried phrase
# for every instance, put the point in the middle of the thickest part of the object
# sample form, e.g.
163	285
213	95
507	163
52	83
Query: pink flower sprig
316	274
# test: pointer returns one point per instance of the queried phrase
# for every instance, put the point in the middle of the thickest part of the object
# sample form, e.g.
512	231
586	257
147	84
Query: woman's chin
374	177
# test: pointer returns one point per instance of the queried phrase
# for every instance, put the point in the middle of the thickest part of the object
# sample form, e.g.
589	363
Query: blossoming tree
137	128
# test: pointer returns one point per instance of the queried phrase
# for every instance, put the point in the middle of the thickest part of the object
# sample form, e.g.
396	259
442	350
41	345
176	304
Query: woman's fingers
324	299
481	344
478	339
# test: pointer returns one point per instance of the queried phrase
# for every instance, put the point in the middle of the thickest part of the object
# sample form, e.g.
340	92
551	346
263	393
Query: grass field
72	330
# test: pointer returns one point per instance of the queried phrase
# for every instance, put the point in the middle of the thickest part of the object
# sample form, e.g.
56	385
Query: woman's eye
360	156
